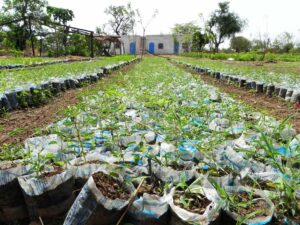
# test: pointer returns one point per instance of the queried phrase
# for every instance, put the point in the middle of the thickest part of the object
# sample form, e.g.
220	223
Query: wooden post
92	44
143	43
31	36
41	47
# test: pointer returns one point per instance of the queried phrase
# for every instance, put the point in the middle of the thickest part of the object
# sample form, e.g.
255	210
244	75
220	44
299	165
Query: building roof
109	38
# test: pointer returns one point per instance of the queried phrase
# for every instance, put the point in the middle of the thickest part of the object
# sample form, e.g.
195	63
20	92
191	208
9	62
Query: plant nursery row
17	63
245	56
39	84
262	83
155	146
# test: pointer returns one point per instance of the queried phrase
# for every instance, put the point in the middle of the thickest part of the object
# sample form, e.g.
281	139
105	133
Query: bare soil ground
16	126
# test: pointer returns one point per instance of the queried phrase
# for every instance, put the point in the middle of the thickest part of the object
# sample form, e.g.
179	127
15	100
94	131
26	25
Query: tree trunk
31	37
23	38
41	47
65	38
217	47
92	44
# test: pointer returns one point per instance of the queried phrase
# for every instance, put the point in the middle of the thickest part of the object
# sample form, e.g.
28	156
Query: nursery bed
276	107
157	123
18	125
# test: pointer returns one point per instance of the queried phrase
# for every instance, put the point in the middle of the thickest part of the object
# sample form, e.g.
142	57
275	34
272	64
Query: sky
271	16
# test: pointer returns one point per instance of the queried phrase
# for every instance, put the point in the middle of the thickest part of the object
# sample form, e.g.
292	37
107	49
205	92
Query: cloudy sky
272	16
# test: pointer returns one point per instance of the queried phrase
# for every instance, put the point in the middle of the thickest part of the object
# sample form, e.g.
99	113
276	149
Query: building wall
129	39
166	40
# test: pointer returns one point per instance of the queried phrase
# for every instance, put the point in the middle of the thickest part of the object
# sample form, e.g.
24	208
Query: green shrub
247	56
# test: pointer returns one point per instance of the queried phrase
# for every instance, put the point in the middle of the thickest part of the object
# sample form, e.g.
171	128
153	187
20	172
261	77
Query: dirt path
260	102
19	125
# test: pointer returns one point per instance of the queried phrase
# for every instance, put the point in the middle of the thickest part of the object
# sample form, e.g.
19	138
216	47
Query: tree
61	16
123	19
144	25
223	24
240	44
262	44
199	41
186	32
78	45
284	42
26	10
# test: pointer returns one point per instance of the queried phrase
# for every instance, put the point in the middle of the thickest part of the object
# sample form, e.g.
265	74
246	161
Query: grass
11	79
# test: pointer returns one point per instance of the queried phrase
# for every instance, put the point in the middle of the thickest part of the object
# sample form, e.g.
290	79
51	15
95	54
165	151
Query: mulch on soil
197	205
110	187
57	170
260	206
150	187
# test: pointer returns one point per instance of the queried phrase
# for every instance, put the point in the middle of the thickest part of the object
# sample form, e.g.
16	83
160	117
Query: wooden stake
131	202
41	220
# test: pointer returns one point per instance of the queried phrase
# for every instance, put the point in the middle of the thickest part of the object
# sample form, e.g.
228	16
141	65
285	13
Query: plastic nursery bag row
137	145
36	94
285	91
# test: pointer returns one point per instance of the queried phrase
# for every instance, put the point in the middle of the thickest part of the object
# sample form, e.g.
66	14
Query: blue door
151	48
176	47
132	48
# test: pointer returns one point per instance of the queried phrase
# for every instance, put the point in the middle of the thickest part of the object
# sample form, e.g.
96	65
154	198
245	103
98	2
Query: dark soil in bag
198	203
110	187
258	205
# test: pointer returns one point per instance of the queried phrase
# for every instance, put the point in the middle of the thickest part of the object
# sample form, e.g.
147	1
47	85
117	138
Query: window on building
117	45
160	46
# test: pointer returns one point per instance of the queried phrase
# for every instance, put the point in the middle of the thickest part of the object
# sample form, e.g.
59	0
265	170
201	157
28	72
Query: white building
154	44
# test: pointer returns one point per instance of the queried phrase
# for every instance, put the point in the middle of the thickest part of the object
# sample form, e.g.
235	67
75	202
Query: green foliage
199	41
122	19
270	74
249	56
39	163
20	9
78	45
185	32
60	15
223	24
11	153
10	79
284	43
23	98
26	61
288	184
178	107
240	44
16	132
230	202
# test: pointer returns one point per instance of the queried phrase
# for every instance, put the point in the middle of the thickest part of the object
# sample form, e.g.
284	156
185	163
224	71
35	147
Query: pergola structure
108	39
69	29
